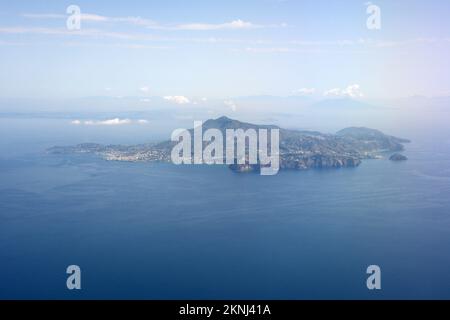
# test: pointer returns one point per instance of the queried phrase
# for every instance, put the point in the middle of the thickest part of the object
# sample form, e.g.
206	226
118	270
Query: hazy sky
226	48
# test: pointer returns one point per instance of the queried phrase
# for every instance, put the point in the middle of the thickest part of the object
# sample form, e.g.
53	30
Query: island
398	157
299	150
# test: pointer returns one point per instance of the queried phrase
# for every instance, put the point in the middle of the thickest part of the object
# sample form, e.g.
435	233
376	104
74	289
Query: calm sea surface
165	232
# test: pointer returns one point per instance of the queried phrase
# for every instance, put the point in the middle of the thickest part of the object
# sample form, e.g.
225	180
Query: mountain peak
224	122
223	119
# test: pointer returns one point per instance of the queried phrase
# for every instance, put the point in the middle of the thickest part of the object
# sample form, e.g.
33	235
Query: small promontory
398	157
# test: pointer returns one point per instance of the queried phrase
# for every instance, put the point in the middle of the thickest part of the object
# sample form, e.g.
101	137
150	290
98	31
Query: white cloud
138	21
93	18
93	33
231	104
177	99
109	122
333	92
235	24
44	16
292	46
305	91
352	91
145	89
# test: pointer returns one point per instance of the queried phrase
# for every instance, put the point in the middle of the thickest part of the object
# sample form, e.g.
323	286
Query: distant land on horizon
40	107
299	150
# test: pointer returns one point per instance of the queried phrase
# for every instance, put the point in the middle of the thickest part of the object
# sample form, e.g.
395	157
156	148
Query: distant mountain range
117	104
299	150
341	103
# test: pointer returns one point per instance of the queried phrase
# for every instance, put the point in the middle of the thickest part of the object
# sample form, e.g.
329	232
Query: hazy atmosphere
92	91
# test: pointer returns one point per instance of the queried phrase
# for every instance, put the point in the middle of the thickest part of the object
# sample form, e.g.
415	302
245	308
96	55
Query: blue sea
159	231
